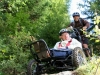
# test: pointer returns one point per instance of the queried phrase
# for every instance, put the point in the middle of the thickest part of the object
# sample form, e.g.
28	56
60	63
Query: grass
91	68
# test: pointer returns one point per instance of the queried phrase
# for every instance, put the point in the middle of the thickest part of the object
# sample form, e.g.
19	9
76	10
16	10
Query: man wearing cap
80	23
66	41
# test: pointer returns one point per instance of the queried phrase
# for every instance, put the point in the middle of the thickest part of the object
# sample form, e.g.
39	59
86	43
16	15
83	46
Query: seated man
66	41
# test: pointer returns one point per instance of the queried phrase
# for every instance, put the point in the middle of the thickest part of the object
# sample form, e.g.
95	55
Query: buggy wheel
78	57
32	68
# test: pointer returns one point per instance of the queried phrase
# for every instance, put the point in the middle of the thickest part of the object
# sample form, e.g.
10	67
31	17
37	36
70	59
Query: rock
64	73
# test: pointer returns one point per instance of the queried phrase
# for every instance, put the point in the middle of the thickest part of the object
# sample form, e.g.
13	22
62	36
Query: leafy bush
20	19
91	68
16	54
55	17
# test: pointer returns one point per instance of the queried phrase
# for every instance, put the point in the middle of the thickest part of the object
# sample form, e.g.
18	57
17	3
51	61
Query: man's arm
71	24
56	45
86	23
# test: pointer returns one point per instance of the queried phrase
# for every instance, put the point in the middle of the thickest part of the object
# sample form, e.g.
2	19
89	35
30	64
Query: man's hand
85	28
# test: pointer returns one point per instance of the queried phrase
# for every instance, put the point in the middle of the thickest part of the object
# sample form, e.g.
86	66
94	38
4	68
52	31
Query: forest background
22	22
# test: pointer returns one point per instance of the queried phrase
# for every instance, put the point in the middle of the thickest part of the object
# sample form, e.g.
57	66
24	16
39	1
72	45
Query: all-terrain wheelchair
48	60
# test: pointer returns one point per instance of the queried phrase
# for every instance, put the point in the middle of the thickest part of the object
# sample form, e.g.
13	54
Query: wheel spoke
80	59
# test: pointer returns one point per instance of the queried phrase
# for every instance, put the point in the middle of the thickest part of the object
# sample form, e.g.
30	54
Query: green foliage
91	68
3	50
90	7
96	40
20	19
15	55
55	18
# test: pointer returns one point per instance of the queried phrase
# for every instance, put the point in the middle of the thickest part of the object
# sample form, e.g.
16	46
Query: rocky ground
64	73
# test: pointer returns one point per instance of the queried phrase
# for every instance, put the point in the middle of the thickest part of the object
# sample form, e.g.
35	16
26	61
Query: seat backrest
76	35
41	49
73	35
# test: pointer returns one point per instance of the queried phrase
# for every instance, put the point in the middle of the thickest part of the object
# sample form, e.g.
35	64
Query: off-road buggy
48	60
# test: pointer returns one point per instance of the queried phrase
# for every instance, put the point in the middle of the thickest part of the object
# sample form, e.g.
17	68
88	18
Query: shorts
85	40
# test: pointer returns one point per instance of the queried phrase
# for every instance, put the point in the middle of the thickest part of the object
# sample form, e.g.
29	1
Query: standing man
80	23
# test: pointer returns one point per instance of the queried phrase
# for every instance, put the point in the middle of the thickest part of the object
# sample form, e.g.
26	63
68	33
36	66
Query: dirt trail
63	73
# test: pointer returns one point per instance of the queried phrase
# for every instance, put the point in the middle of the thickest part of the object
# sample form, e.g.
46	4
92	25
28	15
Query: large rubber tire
31	68
79	57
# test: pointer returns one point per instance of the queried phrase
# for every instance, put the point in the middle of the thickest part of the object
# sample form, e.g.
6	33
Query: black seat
40	48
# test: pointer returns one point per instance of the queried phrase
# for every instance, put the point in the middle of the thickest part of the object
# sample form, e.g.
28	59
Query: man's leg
86	50
85	45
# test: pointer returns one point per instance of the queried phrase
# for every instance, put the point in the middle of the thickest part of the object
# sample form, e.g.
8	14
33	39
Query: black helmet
76	14
63	31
